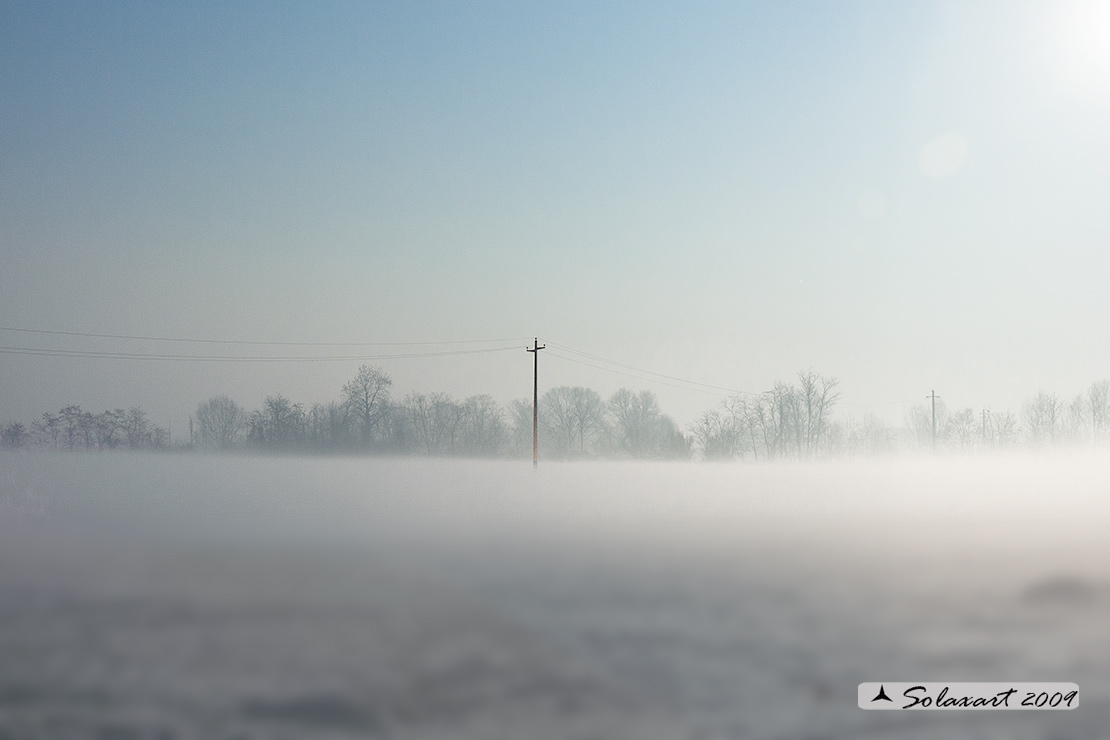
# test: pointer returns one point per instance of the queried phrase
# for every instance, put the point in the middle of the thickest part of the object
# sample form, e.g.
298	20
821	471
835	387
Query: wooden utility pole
535	350
933	395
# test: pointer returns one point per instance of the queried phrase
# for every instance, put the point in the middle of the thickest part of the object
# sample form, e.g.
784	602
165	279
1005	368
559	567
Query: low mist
180	596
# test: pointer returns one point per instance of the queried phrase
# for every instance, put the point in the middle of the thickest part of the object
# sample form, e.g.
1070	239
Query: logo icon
882	694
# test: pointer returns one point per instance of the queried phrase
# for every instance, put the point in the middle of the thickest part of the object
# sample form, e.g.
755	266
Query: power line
35	351
256	343
714	389
647	372
689	385
637	377
899	402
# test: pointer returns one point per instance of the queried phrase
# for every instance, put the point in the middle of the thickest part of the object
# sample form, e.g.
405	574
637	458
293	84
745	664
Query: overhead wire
718	390
880	403
557	351
254	342
630	375
730	391
36	351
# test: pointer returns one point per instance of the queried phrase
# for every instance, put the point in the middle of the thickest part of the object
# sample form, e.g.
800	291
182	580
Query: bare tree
280	424
220	423
639	429
632	416
1098	408
715	436
867	436
1005	429
1044	416
484	430
814	400
557	419
158	438
520	424
773	419
745	421
573	418
136	428
587	417
919	420
329	426
726	433
71	418
367	397
1075	420
14	435
47	431
86	424
881	437
835	438
450	418
670	442
435	421
421	421
962	428
108	424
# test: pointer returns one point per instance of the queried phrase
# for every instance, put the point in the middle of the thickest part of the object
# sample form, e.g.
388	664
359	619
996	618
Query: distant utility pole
985	412
933	395
535	350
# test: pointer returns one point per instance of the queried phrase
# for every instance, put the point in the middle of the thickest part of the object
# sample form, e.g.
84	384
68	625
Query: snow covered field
184	597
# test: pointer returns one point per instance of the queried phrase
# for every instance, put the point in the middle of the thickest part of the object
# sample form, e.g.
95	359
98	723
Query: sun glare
1083	43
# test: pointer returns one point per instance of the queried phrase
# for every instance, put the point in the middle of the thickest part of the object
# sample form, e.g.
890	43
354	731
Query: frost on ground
170	598
237	645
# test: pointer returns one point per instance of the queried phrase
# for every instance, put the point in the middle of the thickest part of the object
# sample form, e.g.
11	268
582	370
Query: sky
904	196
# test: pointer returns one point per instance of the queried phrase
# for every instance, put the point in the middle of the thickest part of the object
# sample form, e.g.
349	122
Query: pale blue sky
728	193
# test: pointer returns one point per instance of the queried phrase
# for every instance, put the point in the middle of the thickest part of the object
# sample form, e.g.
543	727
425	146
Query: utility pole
535	350
985	412
933	395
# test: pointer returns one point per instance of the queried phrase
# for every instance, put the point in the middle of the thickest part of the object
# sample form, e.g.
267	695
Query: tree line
575	423
1045	420
790	421
73	428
